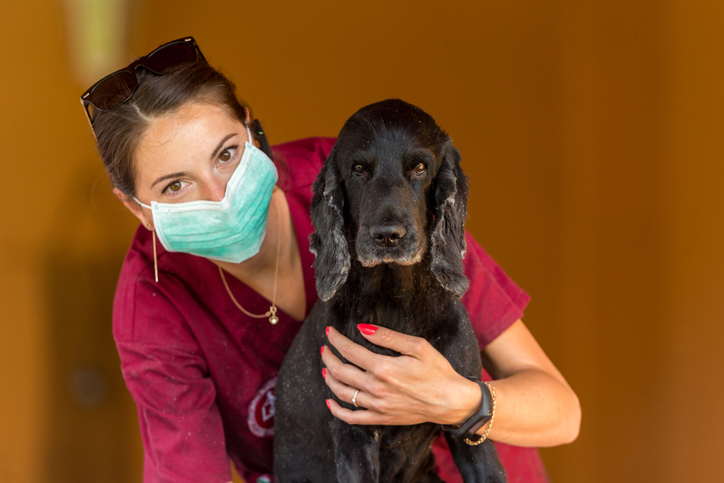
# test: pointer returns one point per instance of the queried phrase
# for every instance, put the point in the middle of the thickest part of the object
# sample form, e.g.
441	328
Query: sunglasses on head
116	88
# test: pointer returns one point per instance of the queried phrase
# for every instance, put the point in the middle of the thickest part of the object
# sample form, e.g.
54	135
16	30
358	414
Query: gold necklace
272	312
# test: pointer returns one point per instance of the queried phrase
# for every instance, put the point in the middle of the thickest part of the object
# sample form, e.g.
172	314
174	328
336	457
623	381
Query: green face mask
230	230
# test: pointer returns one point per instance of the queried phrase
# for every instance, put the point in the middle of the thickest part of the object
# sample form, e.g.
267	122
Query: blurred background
592	134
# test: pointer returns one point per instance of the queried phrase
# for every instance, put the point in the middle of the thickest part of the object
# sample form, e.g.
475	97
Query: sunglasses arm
84	104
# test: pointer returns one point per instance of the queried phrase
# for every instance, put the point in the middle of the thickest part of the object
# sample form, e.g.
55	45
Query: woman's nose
216	189
217	193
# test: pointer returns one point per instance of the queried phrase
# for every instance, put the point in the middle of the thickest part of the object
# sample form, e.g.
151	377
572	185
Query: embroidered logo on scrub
261	411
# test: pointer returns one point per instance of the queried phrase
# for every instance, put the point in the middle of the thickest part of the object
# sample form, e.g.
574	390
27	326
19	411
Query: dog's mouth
375	249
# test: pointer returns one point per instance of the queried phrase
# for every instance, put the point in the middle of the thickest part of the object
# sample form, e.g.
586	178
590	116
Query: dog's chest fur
405	299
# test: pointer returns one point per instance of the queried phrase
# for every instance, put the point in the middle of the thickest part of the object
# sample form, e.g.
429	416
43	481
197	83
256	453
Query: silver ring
354	398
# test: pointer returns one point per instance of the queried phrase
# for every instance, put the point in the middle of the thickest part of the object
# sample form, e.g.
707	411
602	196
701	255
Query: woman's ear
247	119
447	235
133	207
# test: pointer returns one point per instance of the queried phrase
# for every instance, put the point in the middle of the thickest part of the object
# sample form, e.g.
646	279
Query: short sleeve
493	301
167	376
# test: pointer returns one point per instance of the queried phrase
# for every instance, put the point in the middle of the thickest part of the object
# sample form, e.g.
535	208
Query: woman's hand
418	386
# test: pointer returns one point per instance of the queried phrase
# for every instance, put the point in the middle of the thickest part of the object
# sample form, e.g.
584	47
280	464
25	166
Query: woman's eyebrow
167	176
226	138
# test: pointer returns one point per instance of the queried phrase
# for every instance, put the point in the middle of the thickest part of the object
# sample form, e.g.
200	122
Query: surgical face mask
230	230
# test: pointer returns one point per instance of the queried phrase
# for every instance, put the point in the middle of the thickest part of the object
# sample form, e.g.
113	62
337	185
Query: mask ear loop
248	134
155	260
153	234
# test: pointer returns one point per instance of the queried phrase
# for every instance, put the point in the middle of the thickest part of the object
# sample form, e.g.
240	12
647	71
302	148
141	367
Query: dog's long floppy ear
447	237
328	242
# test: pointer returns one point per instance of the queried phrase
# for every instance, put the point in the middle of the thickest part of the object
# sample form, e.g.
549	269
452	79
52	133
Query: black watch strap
477	420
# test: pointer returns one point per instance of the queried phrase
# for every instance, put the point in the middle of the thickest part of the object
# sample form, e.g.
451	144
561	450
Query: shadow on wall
87	431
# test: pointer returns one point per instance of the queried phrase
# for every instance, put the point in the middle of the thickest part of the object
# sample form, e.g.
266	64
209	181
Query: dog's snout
387	235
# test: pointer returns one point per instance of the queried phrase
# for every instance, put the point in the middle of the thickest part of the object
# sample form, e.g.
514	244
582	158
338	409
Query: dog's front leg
477	464
357	453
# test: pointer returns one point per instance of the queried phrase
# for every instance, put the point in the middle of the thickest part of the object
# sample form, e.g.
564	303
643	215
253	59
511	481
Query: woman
204	315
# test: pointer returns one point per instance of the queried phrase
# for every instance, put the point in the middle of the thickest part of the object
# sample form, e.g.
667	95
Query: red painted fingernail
324	373
322	351
327	331
367	329
329	405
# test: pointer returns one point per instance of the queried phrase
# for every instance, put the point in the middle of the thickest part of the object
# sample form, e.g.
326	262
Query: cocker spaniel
389	210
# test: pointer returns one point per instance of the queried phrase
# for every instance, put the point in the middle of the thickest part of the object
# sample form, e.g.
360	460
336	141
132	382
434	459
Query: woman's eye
419	168
359	170
174	187
226	154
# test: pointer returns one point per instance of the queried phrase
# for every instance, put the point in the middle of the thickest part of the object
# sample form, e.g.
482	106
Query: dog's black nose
387	235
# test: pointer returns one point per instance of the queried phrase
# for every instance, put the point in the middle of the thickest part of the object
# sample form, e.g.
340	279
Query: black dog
389	208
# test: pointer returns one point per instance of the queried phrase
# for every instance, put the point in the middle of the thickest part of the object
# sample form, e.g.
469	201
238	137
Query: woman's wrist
466	401
481	420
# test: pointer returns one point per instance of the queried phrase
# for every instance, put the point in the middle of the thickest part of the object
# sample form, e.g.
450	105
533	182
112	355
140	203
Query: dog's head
393	187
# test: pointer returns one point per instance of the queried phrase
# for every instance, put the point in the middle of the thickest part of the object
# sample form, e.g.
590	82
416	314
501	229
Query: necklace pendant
273	311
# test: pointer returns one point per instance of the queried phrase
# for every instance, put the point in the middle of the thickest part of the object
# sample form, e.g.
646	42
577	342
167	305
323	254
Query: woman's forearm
534	408
535	405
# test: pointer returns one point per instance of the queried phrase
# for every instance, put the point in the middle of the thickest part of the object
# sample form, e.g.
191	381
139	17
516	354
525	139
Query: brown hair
119	130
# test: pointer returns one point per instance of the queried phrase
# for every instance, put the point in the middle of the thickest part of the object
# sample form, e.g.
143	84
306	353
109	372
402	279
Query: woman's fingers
347	373
415	347
361	416
344	379
355	393
354	353
405	344
344	392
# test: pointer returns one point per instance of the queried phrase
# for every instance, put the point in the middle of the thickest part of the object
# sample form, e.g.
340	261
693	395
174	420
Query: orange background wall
591	132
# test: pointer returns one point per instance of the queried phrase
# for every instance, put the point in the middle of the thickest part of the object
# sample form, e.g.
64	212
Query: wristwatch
470	427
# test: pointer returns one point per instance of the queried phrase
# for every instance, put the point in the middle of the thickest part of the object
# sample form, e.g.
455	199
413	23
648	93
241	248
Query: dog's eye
419	168
358	169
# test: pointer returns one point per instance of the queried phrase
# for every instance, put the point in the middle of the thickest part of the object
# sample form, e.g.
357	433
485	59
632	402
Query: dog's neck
390	280
388	294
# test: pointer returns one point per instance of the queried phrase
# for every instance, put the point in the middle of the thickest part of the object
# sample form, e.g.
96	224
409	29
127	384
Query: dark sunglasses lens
113	91
170	58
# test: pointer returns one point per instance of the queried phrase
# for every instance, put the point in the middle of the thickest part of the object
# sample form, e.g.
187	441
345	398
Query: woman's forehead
194	127
190	119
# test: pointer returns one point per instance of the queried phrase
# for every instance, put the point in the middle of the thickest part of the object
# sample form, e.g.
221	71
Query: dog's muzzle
389	243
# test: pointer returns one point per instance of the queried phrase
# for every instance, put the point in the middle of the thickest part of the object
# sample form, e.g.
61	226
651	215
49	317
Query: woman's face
185	156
